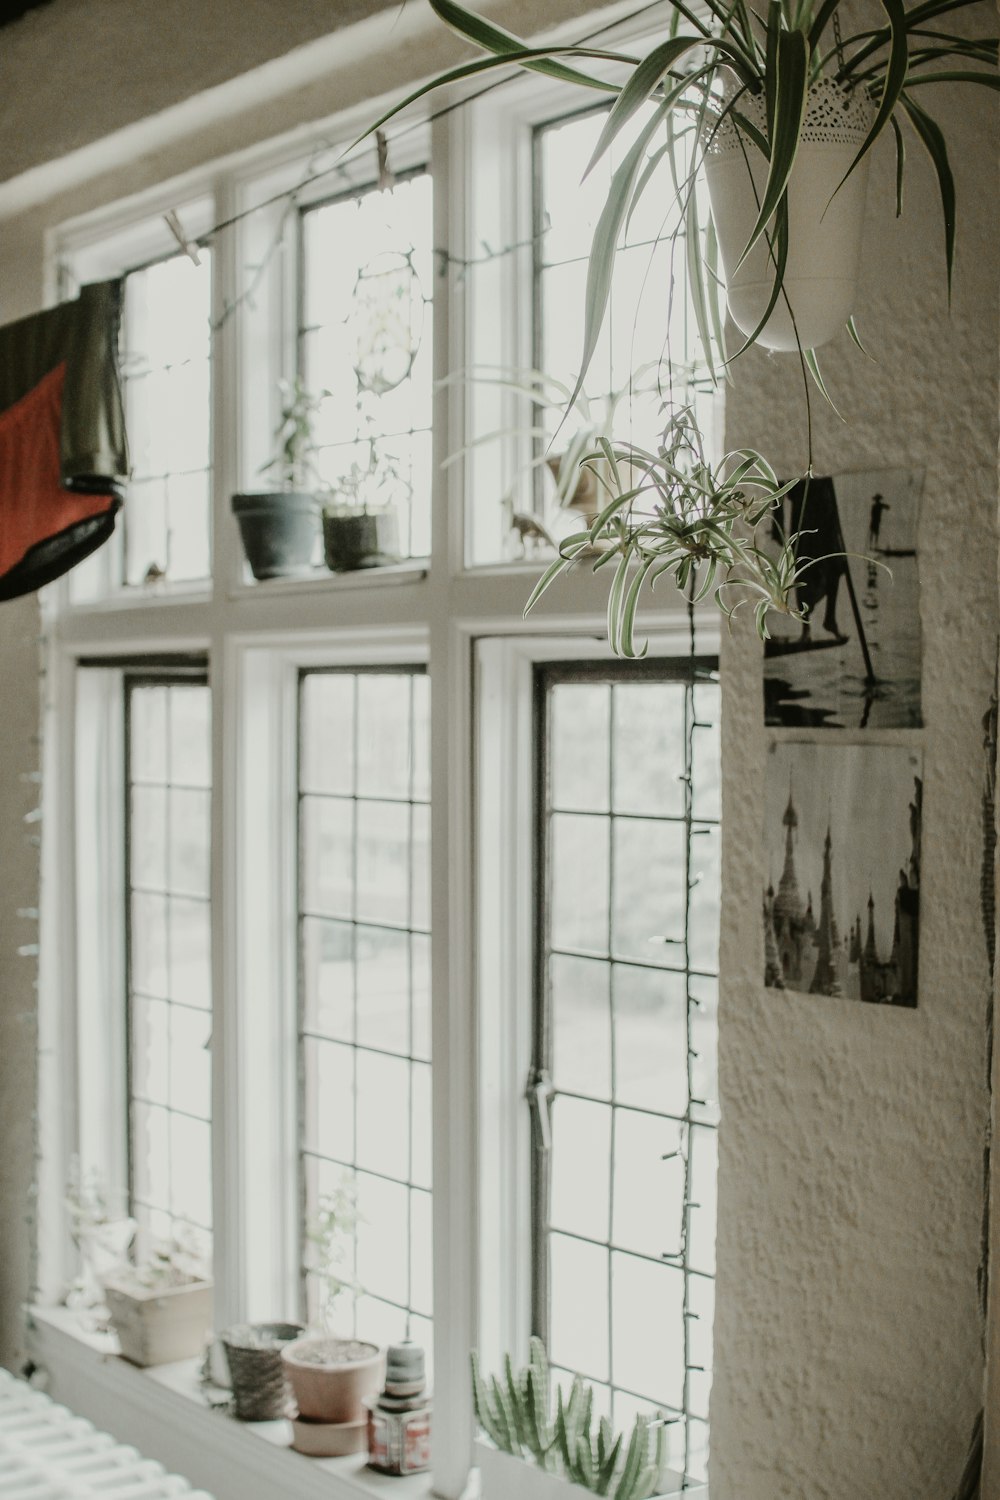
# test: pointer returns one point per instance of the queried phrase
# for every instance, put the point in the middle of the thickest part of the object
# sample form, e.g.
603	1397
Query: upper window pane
166	372
365	338
648	351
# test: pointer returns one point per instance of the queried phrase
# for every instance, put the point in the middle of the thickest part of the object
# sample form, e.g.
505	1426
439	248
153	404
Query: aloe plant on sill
515	1413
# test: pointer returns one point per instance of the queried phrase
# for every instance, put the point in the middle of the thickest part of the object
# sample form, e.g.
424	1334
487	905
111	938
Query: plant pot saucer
328	1439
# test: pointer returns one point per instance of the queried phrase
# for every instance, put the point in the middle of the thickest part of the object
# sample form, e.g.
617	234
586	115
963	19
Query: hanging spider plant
726	69
674	512
706	74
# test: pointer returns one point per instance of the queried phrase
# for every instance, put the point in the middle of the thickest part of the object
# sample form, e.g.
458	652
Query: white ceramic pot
503	1477
824	231
159	1325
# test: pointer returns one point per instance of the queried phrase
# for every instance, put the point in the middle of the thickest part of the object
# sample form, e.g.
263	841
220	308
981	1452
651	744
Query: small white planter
824	231
503	1477
159	1325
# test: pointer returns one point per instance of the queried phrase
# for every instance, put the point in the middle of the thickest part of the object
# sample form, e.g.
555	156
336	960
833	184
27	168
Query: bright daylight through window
317	792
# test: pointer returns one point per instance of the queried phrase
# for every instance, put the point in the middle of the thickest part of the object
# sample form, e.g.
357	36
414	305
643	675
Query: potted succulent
330	1376
782	105
360	520
280	527
161	1307
537	1456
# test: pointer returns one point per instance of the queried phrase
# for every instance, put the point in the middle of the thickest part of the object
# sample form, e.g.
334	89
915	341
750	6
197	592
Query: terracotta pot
334	1390
824	225
328	1439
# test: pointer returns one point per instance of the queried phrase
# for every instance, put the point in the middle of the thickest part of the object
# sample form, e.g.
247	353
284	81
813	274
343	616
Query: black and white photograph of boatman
842	899
852	660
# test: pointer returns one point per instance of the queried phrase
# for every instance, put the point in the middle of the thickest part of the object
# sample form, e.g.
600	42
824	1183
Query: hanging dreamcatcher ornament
386	322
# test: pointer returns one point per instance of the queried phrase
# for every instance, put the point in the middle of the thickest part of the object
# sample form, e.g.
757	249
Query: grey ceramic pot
279	532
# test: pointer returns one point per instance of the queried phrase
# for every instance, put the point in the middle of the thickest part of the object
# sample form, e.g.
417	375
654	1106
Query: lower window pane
365	1106
169	962
625	1036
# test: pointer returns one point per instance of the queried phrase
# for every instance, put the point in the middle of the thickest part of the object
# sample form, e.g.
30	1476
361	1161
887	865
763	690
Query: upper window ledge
163	1413
321	581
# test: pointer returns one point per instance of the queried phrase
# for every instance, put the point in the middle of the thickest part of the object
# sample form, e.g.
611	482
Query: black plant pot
360	540
278	531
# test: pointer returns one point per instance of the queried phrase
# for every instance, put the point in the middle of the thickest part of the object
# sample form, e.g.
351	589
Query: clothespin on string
176	228
385	177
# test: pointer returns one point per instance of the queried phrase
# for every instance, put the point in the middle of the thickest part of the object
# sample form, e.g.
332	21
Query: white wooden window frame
467	625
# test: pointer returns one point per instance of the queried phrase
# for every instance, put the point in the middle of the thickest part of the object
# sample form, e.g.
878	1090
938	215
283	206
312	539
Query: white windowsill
322	580
164	1414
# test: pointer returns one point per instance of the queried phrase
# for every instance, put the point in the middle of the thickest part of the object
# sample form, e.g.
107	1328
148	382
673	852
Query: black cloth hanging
63	451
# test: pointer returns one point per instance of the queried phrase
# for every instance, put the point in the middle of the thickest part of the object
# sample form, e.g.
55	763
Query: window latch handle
539	1094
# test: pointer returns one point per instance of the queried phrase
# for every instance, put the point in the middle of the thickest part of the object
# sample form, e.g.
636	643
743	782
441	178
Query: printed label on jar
417	1443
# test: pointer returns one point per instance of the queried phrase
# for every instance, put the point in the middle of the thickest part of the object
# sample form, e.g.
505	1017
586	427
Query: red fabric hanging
30	469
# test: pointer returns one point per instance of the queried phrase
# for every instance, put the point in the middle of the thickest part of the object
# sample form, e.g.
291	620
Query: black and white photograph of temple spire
842	843
852	661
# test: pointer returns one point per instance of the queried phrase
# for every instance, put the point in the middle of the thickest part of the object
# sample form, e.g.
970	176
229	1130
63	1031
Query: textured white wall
848	1358
19	756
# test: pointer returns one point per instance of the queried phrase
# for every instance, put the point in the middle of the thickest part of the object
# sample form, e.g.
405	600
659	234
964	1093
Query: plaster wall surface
848	1355
19	756
95	69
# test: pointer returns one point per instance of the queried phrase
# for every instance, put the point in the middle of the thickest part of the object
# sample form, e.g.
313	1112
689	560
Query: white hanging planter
824	231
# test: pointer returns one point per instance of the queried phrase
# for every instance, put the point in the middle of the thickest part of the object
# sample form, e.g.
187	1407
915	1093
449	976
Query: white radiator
46	1453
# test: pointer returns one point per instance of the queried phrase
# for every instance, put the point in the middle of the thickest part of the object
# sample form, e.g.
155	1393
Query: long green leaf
892	84
933	139
812	365
640	87
628	613
551	572
615	600
778	247
495	39
694	251
852	329
791	91
486	65
771	64
988	80
600	268
900	164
